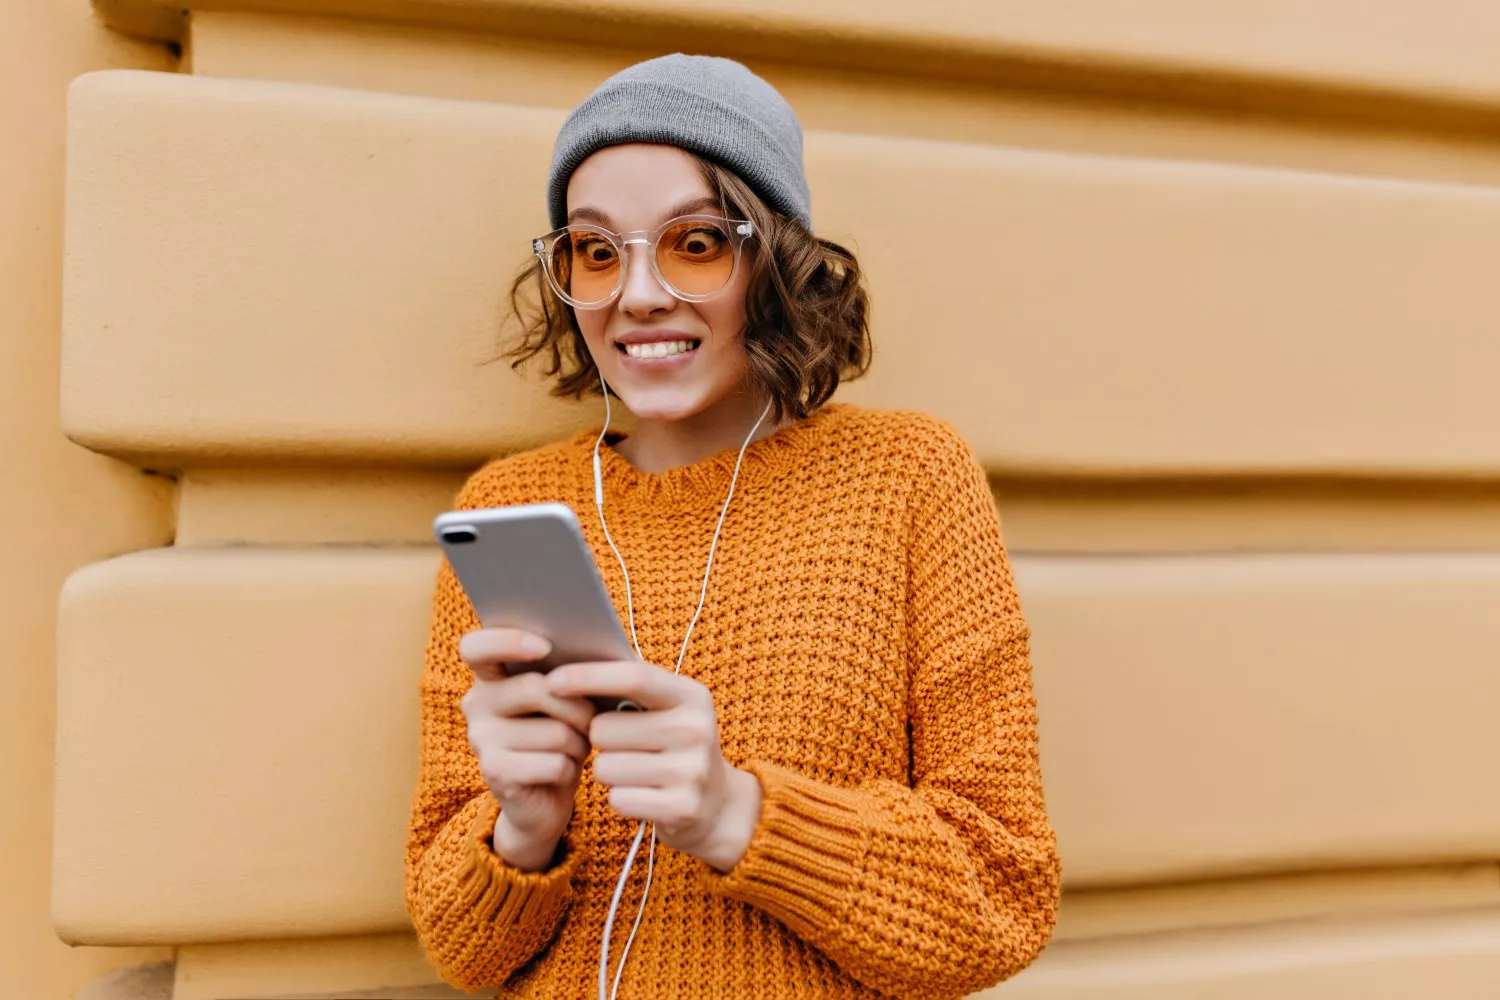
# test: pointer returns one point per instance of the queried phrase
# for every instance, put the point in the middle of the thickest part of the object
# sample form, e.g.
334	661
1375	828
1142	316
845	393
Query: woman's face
638	187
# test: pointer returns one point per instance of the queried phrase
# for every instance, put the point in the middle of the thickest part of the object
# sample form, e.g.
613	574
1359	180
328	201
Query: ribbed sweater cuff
804	856
502	893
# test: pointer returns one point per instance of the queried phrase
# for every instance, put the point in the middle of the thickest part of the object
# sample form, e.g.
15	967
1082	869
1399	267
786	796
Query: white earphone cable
599	506
609	921
640	908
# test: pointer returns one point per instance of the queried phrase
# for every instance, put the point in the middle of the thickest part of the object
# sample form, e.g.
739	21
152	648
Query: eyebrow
586	214
691	206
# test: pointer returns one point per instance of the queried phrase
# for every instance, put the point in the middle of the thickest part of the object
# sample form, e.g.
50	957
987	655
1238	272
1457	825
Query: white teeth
660	349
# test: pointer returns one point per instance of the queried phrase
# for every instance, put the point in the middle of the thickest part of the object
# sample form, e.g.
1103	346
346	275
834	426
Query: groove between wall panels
341	506
1254	56
550	73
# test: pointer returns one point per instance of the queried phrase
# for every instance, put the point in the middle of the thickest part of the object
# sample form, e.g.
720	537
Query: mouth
658	350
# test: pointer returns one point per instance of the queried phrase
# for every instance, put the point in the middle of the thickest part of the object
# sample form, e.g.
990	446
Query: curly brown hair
807	311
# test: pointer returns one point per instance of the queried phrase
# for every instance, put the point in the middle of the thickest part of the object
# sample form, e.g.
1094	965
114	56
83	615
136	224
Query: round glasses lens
585	265
695	257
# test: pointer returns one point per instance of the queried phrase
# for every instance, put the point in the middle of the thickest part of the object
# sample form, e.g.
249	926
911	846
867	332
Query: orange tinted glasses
693	256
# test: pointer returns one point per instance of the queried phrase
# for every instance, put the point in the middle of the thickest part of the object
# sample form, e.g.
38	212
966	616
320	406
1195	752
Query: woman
837	747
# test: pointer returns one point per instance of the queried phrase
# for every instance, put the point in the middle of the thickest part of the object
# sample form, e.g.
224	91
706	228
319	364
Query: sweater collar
706	481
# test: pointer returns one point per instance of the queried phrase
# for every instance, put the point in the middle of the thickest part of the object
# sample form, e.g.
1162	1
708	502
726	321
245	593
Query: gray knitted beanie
713	107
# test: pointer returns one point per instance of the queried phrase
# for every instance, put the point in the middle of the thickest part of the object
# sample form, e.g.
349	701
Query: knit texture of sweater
869	665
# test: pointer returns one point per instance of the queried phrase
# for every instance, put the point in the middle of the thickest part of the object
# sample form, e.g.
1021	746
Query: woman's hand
665	764
530	742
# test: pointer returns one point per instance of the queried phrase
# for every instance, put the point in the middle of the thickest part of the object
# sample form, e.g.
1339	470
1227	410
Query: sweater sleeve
479	919
949	884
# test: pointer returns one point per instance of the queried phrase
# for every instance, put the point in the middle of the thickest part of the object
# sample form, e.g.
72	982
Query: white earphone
640	833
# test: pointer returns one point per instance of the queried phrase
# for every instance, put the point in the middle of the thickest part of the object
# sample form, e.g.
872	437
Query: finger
489	671
668	806
646	684
522	769
652	770
673	729
549	735
497	646
526	694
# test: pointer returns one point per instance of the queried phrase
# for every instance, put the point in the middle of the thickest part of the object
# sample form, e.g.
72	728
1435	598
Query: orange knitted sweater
869	665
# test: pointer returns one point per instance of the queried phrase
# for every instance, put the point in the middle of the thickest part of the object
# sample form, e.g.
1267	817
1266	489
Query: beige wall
60	506
1229	363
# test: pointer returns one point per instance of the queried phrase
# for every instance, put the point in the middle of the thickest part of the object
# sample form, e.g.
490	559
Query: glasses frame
739	230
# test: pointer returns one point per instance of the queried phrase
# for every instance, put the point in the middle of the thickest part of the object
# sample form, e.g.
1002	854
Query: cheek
593	323
726	322
726	315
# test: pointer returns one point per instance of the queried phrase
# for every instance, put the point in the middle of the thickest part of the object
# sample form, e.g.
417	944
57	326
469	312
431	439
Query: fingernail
535	644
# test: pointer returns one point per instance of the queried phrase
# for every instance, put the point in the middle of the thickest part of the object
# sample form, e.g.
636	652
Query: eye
593	251
700	242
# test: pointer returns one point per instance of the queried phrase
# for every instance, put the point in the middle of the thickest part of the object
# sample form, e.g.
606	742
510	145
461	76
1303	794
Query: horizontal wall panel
1088	314
237	742
312	506
1071	314
1176	515
1453	956
1208	714
1254	900
1436	50
1255	714
387	967
307	274
374	55
1438	955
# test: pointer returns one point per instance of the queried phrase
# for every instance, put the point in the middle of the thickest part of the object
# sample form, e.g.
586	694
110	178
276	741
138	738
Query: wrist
737	823
522	851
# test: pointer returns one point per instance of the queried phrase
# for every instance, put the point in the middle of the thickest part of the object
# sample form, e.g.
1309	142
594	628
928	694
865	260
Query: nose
643	295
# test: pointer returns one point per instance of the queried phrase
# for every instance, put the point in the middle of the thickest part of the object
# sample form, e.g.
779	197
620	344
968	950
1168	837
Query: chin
663	405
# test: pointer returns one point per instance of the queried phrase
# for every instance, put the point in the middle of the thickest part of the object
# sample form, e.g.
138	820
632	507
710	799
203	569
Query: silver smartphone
528	567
